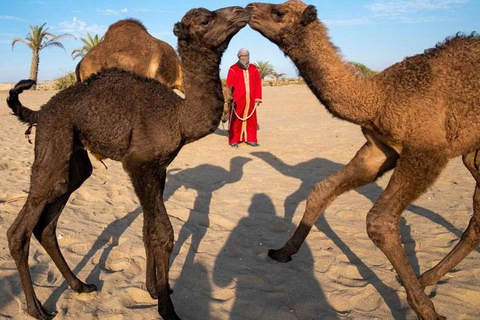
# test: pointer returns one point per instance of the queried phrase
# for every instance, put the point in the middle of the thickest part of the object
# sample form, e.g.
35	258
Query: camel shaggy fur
127	45
127	118
415	115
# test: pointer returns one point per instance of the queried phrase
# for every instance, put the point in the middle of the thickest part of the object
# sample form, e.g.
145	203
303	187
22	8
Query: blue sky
377	33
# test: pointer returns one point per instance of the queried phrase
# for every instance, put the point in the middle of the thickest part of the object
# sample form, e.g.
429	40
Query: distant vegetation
363	69
264	68
271	77
65	81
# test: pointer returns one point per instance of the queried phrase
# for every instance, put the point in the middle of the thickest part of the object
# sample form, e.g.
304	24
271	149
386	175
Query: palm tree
37	40
277	76
265	69
89	43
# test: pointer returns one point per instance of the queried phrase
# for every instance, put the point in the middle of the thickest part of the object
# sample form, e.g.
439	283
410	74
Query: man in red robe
247	95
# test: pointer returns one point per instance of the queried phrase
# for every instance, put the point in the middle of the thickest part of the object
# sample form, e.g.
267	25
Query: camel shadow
266	289
205	179
196	225
313	171
222	130
109	238
11	287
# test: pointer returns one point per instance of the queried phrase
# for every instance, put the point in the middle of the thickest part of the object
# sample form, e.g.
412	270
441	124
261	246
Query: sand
228	207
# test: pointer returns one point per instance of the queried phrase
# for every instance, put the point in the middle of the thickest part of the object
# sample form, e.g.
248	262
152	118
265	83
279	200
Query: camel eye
206	23
278	14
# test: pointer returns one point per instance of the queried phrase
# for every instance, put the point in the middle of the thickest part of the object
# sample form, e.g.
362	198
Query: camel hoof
154	295
89	287
278	256
170	315
85	288
42	314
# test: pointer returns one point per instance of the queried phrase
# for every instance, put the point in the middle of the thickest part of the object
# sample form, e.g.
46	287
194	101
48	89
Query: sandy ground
228	207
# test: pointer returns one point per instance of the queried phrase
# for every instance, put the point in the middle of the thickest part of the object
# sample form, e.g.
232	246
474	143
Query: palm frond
19	40
53	44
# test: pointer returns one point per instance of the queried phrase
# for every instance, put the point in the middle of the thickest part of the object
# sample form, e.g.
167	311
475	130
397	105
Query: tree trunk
34	67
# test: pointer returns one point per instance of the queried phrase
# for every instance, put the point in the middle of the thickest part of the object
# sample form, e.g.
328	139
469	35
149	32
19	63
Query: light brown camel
127	118
127	45
415	115
228	97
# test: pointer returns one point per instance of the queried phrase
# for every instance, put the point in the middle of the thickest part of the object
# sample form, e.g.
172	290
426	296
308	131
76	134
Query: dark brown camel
415	115
127	118
127	45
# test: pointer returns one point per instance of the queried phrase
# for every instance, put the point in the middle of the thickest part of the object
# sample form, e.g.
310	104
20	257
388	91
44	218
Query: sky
377	33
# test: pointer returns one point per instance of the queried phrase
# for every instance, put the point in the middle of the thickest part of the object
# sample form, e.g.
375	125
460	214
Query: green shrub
363	69
65	81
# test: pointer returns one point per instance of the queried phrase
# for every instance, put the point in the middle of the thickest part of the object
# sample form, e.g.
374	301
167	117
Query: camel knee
17	243
381	229
472	234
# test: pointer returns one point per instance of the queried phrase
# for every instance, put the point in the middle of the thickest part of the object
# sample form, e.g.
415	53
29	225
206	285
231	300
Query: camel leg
415	172
470	238
370	162
45	230
149	181
50	176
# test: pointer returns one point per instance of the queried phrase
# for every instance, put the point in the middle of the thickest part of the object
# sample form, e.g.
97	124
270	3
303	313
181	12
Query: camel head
283	24
207	29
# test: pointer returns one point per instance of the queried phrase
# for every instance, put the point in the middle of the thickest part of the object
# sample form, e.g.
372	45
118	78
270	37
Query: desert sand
228	207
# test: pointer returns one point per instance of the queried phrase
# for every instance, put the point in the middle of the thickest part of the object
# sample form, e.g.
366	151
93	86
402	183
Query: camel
127	45
415	116
120	49
228	97
128	118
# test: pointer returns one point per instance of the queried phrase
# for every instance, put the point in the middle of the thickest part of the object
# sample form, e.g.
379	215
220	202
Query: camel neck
345	94
203	105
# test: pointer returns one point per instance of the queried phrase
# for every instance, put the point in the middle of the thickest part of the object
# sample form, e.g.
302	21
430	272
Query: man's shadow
313	171
266	289
205	179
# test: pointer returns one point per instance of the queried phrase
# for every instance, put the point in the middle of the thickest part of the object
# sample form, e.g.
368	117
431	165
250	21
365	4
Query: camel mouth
243	19
254	22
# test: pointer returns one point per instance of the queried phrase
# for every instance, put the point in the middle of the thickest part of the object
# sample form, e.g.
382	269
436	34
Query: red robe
247	87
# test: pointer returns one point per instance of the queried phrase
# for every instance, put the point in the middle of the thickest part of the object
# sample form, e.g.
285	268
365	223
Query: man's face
244	58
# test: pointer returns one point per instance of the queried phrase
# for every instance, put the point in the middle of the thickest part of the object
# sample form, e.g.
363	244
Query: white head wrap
244	61
242	52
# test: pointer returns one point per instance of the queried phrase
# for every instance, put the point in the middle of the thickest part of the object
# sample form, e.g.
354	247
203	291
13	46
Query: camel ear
179	31
309	15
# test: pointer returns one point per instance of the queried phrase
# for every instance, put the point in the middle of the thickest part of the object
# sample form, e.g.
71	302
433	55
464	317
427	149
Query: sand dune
228	207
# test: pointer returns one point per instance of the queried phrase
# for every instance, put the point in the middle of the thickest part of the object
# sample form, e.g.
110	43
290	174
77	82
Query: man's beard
244	62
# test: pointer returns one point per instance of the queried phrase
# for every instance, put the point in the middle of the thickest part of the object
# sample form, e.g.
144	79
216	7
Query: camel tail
77	72
23	113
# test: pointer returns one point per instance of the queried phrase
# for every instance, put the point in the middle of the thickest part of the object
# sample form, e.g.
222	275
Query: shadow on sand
313	171
266	289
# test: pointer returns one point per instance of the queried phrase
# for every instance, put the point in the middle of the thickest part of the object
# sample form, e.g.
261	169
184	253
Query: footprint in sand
348	275
367	301
136	298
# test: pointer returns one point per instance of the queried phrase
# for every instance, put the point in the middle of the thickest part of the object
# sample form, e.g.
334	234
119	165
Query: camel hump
123	25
